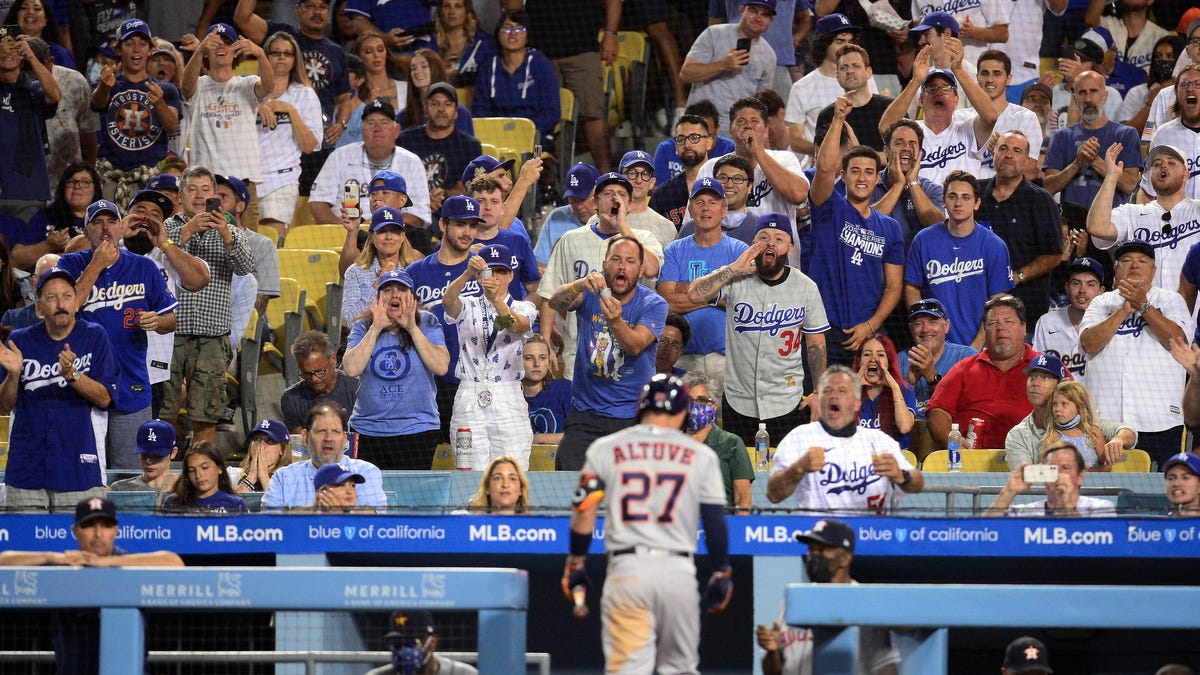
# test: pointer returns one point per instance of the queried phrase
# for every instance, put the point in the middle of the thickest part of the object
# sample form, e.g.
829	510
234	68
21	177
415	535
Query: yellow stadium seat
489	149
912	459
443	457
302	216
518	133
541	457
314	269
567	124
973	461
323	237
1136	461
4	426
627	81
466	96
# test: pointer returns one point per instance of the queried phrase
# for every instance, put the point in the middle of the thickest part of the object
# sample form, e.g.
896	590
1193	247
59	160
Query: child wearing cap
337	488
129	153
155	448
1182	474
268	449
491	332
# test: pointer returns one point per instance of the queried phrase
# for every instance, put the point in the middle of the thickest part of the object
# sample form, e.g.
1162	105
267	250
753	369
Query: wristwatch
73	377
904	473
913	184
1020	277
1146	307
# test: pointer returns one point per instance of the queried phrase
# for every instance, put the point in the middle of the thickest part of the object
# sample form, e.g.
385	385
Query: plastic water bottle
762	447
954	443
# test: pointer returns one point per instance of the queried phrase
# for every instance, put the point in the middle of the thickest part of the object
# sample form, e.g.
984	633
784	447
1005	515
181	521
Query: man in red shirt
989	385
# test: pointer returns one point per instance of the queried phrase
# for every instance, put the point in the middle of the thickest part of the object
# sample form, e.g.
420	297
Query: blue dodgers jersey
849	252
683	262
962	272
607	380
133	285
868	414
430	278
131	134
56	441
396	393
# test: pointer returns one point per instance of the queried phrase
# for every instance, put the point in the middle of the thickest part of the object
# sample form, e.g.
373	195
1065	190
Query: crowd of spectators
969	233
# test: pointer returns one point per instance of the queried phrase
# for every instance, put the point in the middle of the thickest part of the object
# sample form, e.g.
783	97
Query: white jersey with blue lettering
1171	240
764	358
1054	334
655	481
1012	118
955	148
848	483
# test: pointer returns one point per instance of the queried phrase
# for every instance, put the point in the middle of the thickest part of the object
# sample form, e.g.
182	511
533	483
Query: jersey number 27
636	487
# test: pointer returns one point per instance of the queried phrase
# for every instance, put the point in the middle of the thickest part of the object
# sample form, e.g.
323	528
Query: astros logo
316	66
131	121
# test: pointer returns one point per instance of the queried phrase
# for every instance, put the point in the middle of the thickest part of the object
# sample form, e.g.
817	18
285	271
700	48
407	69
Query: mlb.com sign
232	533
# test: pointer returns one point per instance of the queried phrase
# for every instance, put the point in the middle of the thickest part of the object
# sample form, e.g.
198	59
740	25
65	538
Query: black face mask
139	244
817	567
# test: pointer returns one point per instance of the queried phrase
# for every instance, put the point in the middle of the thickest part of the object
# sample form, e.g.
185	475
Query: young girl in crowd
547	394
888	401
1073	421
503	489
205	485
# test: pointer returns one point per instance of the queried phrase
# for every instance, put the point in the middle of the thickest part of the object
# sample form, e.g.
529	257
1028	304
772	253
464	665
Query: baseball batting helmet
665	394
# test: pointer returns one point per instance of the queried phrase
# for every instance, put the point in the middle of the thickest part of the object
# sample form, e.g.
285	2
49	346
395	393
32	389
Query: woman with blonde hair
268	449
461	40
503	489
289	125
1073	421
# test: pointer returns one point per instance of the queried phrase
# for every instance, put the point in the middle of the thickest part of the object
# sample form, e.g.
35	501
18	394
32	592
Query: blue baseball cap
394	277
1087	265
1134	246
225	31
335	474
940	72
157	198
101	206
775	221
275	430
835	23
131	27
934	20
163	181
461	207
237	185
581	179
105	48
610	178
1047	363
387	216
1192	462
707	184
484	164
54	273
769	4
929	306
498	255
155	437
635	157
388	180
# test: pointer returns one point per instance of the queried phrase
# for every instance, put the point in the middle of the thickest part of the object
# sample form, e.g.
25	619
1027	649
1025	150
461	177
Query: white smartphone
1041	473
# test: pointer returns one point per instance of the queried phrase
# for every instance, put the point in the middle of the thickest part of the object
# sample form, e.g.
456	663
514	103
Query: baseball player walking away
658	485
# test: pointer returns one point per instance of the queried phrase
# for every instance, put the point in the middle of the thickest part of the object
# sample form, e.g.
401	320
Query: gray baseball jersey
655	481
764	357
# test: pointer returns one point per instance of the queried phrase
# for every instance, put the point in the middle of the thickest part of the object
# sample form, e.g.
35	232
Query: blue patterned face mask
700	415
1071	423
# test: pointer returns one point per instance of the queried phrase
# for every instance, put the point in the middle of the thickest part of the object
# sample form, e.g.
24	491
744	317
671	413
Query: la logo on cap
151	436
387	215
263	424
470	207
495	253
574	181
